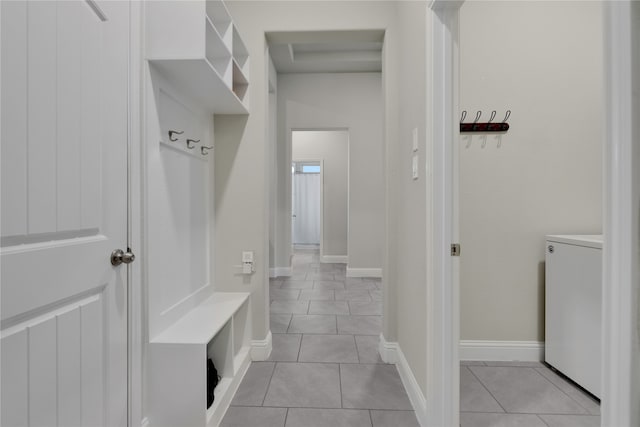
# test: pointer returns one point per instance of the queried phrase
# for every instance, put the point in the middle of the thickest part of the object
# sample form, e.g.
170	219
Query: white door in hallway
64	143
306	203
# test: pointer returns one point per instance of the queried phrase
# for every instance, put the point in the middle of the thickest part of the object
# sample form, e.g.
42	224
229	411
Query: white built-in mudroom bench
216	328
196	67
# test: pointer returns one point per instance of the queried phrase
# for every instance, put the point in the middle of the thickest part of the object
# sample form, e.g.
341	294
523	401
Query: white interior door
306	208
64	209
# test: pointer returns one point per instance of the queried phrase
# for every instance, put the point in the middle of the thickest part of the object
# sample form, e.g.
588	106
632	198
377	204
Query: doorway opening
306	204
320	192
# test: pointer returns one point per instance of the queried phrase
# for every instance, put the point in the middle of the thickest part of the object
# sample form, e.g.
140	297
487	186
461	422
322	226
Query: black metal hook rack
490	126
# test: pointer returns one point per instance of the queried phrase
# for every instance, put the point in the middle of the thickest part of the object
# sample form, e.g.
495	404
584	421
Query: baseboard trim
502	351
334	259
280	271
390	352
261	349
364	272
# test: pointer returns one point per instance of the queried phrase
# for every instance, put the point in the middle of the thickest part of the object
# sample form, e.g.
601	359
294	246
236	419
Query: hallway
324	369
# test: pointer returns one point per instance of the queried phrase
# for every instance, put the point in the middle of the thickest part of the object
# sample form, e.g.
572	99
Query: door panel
15	387
64	209
14	119
41	116
306	208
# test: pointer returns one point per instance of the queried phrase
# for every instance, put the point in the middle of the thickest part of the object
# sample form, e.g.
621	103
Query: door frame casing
620	269
443	322
136	219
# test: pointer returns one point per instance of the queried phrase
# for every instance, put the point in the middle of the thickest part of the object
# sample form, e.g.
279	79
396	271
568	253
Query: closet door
64	210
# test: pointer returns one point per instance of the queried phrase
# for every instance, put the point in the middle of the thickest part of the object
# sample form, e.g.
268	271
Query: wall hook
489	126
174	132
464	114
205	150
190	141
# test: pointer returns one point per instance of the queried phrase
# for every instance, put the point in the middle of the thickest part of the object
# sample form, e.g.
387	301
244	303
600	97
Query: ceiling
326	51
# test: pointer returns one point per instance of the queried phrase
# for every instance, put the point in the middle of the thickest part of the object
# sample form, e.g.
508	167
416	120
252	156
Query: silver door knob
121	257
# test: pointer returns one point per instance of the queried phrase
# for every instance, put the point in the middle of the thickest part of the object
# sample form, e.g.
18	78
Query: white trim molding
442	304
620	322
388	350
391	353
334	259
364	272
261	349
522	351
280	272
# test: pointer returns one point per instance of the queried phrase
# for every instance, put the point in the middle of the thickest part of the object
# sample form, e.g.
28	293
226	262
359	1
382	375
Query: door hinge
455	249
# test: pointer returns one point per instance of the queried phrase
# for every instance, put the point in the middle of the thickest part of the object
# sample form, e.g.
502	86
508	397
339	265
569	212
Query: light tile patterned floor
522	394
324	370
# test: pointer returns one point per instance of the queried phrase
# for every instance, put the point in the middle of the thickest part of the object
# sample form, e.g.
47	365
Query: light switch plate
414	167
415	139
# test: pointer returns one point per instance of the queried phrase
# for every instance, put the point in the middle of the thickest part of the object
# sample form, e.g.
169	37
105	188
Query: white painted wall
273	164
408	197
352	101
332	148
543	61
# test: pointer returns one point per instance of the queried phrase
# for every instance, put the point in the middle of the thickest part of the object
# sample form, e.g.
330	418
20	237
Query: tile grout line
586	412
299	348
275	364
567	394
289	323
340	383
488	391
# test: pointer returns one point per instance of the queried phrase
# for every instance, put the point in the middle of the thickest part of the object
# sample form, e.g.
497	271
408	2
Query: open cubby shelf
204	56
218	328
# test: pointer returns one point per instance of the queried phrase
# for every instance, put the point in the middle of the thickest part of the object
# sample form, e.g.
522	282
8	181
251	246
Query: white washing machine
573	306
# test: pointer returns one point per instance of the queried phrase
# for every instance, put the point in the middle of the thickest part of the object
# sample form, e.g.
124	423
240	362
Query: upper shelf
203	55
